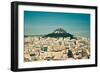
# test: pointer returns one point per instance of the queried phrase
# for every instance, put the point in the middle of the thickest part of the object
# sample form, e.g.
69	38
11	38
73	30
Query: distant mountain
59	33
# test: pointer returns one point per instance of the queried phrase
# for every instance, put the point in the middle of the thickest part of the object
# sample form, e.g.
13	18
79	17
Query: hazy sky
37	23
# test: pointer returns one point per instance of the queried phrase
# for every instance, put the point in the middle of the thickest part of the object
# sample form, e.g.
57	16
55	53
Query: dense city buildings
55	48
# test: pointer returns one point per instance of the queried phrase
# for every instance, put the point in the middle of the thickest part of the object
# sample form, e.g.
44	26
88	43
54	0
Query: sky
39	23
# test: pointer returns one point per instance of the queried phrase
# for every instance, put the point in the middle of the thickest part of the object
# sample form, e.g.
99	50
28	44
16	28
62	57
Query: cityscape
56	36
61	47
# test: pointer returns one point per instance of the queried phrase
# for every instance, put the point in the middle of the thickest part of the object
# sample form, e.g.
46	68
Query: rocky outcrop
59	33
